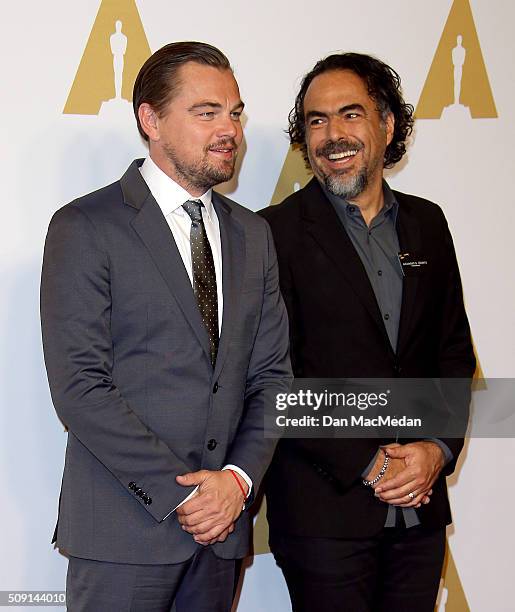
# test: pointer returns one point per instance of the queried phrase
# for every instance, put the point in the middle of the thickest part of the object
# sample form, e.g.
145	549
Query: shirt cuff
243	474
183	502
448	456
370	465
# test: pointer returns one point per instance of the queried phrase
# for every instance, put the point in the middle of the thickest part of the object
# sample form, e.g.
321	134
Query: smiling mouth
226	153
345	154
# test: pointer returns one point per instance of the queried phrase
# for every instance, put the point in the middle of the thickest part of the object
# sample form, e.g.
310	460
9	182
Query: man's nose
337	129
227	127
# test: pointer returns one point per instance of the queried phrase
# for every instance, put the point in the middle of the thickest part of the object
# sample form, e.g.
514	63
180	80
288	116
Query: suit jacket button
215	387
132	486
147	501
144	497
211	445
138	491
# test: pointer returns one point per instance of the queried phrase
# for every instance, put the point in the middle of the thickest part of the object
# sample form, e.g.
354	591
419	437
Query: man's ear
389	123
149	121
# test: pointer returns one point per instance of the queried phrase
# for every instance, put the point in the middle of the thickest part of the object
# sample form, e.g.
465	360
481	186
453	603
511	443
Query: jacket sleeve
78	349
456	354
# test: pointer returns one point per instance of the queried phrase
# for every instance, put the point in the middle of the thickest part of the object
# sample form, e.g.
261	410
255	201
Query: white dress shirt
170	197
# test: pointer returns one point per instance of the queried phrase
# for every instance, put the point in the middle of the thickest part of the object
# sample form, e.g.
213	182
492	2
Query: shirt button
380	273
215	387
352	209
211	445
386	317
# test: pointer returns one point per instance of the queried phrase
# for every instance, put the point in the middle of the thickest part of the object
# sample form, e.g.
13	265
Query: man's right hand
395	467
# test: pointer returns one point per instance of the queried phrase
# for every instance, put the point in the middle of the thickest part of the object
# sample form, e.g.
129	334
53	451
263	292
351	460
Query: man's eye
316	121
207	114
236	115
352	115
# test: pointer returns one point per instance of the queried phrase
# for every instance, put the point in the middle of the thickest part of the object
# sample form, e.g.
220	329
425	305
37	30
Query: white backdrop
49	158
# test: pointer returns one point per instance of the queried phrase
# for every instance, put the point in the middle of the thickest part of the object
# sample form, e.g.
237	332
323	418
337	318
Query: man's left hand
424	461
216	506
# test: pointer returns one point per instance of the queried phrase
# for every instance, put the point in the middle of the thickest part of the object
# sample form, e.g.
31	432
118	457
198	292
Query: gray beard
347	188
199	175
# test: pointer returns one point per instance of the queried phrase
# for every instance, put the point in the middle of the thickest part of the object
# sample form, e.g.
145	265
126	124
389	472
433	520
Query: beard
342	183
348	187
202	173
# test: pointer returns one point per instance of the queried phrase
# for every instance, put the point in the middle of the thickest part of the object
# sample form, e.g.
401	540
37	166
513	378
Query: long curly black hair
384	87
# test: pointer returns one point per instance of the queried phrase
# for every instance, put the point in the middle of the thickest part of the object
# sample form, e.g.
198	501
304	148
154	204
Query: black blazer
314	486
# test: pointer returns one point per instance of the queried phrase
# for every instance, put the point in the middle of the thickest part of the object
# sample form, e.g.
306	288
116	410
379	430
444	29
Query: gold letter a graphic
457	83
116	49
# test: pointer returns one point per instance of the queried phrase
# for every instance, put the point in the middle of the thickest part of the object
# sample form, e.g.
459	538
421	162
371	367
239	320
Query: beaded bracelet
371	483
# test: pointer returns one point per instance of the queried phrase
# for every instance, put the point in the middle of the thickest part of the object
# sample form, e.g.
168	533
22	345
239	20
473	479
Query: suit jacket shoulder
421	208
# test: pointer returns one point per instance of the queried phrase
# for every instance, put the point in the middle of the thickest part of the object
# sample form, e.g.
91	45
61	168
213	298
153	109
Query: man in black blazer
359	524
164	334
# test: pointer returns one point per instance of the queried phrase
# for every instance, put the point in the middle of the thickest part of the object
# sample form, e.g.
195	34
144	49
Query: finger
224	535
213	533
195	504
399	492
402	479
190	520
192	478
202	528
397	452
412	503
420	497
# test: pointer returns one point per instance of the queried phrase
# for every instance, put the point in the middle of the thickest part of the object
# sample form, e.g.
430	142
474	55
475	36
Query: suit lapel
323	224
408	232
233	266
151	226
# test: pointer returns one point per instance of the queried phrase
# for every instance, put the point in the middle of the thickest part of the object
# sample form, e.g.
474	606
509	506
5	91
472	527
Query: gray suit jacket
127	358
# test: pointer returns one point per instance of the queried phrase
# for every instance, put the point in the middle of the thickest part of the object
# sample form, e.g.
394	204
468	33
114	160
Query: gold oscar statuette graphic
457	84
116	49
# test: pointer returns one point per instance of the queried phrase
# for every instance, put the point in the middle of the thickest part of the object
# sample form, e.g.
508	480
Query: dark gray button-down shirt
377	246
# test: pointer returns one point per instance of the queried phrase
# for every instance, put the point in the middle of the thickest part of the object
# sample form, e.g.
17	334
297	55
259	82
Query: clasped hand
211	513
413	468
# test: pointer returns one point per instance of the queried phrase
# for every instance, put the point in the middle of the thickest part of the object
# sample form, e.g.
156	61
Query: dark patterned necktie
204	277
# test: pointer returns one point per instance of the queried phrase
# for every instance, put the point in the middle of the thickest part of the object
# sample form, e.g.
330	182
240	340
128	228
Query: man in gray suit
164	334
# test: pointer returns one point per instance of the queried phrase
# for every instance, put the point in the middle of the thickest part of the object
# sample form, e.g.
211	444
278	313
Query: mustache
339	146
223	143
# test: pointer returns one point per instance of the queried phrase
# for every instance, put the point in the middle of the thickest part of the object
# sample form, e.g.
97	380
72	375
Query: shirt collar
169	195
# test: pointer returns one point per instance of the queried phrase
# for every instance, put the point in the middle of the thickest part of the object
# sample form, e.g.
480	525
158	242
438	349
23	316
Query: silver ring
411	496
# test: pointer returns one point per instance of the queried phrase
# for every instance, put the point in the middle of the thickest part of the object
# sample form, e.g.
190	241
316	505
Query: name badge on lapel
411	264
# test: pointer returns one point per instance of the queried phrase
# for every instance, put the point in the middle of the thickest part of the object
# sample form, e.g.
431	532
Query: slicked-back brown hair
158	79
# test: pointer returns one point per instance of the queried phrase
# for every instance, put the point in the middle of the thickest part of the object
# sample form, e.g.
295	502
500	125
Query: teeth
342	155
